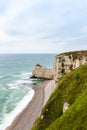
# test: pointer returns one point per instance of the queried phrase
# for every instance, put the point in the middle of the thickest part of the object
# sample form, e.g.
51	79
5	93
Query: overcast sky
43	26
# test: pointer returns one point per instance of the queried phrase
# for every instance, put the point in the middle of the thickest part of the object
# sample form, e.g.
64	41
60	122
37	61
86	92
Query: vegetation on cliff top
75	54
72	88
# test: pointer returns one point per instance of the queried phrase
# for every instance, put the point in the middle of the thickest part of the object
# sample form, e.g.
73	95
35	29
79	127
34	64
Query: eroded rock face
65	63
42	72
65	106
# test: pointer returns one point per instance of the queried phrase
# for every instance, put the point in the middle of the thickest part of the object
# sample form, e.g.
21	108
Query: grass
75	118
72	88
75	54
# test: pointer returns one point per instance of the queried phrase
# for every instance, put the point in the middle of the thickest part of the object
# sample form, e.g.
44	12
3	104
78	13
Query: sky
43	26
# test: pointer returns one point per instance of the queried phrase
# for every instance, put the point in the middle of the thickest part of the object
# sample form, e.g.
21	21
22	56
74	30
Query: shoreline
26	119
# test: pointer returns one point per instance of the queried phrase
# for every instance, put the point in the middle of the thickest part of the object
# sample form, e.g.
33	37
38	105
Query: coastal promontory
63	63
42	72
66	108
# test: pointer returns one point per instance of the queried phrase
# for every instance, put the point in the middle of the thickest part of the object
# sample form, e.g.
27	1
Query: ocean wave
22	75
20	84
5	77
25	75
1	77
9	118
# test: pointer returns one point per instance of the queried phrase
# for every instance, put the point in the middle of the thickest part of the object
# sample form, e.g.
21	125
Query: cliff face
65	62
66	108
67	105
42	72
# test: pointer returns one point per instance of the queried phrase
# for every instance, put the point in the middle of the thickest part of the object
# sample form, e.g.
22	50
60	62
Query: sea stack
42	72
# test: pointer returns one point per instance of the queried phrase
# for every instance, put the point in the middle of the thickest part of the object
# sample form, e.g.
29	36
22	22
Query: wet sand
26	119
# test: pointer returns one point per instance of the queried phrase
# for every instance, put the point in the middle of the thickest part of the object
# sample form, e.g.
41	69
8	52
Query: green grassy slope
75	118
72	88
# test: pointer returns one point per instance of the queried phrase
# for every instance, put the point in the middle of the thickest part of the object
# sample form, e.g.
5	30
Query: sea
15	83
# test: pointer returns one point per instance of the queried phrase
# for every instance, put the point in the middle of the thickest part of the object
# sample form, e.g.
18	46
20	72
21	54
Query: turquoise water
15	83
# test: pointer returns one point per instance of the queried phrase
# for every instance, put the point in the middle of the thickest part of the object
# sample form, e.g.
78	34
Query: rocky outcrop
65	106
42	72
65	62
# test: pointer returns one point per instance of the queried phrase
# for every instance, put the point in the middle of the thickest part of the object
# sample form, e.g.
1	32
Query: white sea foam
23	81
5	76
23	75
19	83
20	107
1	77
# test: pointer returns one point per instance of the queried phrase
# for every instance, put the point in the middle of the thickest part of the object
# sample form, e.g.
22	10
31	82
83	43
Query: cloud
42	25
5	38
83	29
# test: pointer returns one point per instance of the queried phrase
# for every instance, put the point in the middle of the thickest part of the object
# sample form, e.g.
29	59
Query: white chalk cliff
42	72
63	64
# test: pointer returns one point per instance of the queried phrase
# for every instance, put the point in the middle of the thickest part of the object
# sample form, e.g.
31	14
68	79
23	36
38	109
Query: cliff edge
66	108
63	63
68	61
